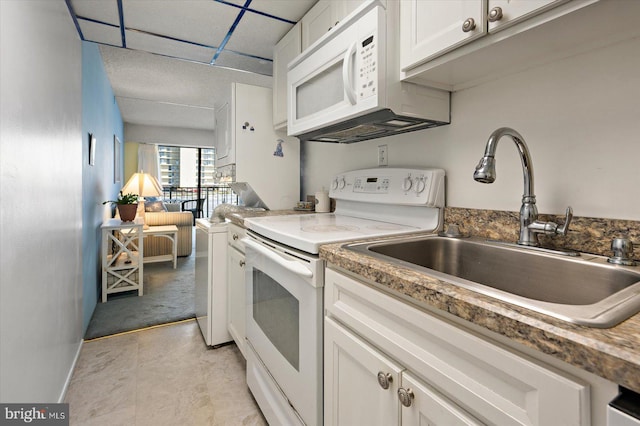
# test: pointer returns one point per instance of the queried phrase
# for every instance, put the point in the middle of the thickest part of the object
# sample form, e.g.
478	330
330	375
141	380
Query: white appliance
285	276
249	150
346	86
624	410
211	281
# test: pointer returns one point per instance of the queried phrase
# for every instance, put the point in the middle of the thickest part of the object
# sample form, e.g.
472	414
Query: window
190	174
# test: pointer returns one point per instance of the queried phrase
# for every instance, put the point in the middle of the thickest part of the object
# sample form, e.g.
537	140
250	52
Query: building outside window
180	173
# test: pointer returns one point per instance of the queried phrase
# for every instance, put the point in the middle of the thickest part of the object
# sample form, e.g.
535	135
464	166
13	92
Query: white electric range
285	276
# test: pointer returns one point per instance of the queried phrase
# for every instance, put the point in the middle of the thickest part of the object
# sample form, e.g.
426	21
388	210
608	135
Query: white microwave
346	87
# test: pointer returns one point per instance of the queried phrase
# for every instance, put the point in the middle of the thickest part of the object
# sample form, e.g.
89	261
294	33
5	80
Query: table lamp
144	185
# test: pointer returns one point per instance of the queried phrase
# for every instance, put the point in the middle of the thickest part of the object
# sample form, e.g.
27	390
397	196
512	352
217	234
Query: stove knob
419	185
334	184
341	183
406	184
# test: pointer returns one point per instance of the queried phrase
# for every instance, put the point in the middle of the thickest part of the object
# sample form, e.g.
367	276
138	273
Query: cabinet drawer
493	383
235	235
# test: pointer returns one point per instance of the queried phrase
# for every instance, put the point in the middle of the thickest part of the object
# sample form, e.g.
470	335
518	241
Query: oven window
276	311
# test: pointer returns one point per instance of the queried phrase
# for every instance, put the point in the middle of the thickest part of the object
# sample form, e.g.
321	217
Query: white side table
166	231
122	252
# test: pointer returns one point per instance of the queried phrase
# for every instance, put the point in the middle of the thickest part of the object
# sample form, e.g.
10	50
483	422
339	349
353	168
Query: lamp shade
142	184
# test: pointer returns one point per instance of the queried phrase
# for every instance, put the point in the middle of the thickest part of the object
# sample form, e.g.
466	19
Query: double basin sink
584	290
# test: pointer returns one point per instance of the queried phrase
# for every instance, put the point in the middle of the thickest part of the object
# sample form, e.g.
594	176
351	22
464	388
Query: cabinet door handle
235	237
384	379
406	396
468	25
495	14
241	263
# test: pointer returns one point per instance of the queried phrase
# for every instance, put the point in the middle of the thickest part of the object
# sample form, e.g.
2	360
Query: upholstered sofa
154	246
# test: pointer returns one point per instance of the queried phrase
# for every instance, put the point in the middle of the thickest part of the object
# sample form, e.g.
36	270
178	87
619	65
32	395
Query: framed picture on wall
117	160
92	149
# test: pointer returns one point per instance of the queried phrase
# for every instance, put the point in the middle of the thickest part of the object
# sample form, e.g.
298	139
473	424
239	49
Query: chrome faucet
530	226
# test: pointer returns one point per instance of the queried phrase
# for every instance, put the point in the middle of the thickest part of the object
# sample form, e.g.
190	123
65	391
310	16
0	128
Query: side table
169	232
122	252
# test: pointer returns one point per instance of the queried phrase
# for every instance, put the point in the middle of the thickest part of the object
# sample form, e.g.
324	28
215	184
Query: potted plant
127	205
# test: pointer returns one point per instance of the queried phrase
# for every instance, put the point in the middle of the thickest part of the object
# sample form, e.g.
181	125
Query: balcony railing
212	195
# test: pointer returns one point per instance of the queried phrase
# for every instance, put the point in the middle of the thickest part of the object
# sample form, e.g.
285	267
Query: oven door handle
291	265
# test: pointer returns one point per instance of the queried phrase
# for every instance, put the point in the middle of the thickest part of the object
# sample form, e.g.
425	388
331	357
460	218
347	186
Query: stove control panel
391	186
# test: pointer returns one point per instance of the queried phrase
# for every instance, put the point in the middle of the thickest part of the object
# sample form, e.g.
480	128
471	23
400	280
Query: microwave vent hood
347	87
374	125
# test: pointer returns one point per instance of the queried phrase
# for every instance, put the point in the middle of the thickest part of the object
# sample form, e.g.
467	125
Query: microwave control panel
368	63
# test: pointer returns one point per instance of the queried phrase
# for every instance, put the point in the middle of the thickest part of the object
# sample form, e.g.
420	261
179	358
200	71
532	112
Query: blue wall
101	117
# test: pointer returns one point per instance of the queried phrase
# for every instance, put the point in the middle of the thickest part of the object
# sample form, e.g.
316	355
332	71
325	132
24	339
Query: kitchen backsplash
586	234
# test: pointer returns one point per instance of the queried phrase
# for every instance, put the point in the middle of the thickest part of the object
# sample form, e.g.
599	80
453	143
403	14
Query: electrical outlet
382	155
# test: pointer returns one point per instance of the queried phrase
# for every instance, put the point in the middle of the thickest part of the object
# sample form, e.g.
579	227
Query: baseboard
67	382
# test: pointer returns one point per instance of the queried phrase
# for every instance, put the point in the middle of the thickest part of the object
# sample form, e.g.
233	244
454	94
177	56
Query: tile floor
160	376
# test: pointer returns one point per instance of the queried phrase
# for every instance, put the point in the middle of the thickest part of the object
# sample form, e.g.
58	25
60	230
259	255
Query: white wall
580	118
40	199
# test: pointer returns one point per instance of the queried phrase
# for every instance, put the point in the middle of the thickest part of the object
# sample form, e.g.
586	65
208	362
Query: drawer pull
406	396
468	25
384	379
495	14
235	237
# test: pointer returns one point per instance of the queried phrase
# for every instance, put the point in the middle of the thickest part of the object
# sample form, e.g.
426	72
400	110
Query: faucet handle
552	228
562	230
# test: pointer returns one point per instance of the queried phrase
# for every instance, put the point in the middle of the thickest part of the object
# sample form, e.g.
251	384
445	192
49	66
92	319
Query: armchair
193	206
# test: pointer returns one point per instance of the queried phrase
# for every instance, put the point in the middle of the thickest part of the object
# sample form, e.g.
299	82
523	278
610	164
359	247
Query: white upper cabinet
322	17
503	13
457	44
287	48
430	28
318	21
225	154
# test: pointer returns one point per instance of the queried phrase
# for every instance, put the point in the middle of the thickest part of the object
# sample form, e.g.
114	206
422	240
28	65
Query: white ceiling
171	63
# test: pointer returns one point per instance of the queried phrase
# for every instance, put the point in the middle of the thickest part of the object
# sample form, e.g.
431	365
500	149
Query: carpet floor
168	297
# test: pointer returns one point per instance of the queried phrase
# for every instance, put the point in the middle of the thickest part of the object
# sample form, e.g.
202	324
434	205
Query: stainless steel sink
584	290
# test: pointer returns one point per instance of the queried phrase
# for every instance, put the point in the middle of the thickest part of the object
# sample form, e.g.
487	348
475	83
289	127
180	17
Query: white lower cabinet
353	395
446	374
236	292
368	388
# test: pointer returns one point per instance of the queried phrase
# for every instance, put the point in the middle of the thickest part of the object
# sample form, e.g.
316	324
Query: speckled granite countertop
610	353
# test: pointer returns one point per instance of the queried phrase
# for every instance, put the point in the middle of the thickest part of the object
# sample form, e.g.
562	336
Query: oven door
284	321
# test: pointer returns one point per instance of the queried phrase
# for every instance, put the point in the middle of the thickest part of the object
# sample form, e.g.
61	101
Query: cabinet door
236	294
508	12
352	392
317	22
430	408
225	152
431	28
287	48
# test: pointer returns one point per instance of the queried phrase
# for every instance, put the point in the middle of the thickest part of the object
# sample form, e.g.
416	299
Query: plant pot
127	212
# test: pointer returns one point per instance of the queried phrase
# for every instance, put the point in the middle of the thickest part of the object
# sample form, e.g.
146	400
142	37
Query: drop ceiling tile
100	33
257	35
200	21
100	10
172	48
246	63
